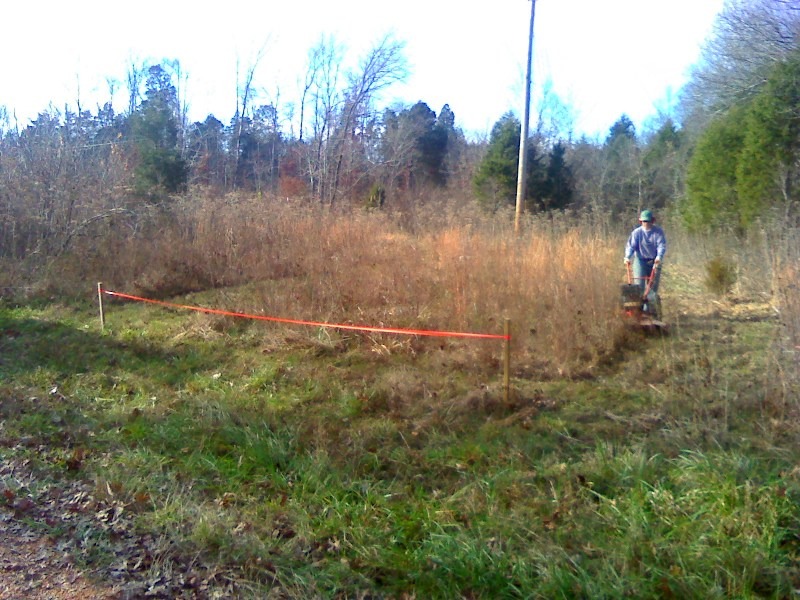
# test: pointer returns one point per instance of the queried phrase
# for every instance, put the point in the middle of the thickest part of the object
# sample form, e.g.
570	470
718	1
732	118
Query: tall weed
442	268
443	265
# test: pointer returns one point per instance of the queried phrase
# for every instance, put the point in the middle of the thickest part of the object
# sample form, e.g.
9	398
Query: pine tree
712	198
161	167
495	181
769	166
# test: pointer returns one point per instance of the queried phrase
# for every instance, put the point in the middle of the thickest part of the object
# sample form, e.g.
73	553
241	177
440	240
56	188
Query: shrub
376	197
720	276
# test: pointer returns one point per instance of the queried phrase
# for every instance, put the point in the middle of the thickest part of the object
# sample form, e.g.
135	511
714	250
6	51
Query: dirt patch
49	528
34	566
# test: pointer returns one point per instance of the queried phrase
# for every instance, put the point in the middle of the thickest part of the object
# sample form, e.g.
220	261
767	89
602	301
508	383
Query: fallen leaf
226	499
75	461
24	504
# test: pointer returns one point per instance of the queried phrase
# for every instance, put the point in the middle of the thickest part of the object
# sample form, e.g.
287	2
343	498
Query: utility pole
523	138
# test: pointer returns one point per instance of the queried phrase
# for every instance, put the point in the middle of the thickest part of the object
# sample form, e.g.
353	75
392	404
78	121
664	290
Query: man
647	244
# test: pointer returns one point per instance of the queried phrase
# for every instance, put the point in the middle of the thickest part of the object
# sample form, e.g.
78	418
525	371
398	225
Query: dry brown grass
787	291
443	269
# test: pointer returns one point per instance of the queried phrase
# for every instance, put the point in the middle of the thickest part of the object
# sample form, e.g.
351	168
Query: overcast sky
604	58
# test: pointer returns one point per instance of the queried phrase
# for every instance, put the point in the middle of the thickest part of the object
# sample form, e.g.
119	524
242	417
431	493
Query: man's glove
627	260
657	263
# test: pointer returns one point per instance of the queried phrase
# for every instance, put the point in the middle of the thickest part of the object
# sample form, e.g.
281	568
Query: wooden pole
523	137
100	302
507	363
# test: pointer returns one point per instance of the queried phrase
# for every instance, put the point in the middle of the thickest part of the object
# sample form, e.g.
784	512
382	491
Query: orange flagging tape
215	311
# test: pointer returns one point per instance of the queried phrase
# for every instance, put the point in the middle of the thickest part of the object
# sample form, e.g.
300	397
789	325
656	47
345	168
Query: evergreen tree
260	149
622	129
495	181
428	154
711	198
622	186
456	171
748	160
414	146
161	167
663	165
207	154
446	119
769	167
556	193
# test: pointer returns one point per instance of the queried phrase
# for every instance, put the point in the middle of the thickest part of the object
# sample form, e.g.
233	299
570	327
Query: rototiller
642	307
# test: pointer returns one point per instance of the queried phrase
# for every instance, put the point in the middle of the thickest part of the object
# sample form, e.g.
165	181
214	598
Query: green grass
323	468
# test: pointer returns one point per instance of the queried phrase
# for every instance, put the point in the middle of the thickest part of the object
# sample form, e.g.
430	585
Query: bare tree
57	177
181	79
244	92
749	37
135	77
314	69
382	66
343	116
399	148
591	172
323	77
555	117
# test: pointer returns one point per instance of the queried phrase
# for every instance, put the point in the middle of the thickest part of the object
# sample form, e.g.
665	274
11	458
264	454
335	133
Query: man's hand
657	263
627	260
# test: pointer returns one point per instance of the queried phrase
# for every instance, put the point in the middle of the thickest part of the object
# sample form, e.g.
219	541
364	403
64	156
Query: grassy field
192	454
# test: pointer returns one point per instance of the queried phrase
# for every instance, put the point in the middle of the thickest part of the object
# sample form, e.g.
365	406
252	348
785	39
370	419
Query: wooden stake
100	302
507	363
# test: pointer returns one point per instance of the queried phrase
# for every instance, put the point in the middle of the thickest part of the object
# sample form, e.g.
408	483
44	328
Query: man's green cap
647	215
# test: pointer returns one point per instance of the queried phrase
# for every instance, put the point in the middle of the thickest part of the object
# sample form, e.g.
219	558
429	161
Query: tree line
727	156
